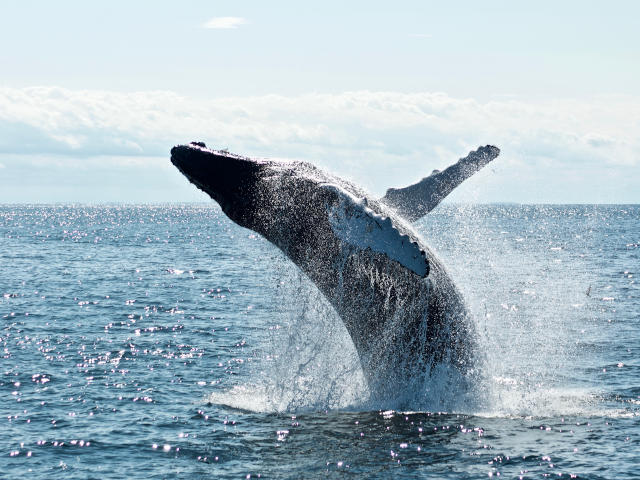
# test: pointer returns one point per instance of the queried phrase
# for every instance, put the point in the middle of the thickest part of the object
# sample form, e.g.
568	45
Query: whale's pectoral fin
359	228
417	200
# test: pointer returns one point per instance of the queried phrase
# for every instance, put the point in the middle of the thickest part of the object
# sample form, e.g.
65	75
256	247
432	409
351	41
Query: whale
403	312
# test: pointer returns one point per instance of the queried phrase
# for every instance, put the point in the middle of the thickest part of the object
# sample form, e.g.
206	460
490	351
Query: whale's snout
222	175
189	159
215	171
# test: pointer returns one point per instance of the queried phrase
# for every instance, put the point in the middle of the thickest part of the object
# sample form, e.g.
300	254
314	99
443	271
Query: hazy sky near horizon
93	95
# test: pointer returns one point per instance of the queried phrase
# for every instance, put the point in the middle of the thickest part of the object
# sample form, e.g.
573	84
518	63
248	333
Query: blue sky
92	96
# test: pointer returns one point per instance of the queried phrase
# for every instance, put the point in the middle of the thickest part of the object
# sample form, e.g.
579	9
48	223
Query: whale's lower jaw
402	311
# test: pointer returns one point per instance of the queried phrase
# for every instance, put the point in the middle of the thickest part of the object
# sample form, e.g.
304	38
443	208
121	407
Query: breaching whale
403	312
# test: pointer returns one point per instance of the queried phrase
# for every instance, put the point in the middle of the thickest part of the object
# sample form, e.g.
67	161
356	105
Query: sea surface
166	342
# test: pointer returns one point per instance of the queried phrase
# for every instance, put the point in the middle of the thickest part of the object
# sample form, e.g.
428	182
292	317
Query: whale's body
399	305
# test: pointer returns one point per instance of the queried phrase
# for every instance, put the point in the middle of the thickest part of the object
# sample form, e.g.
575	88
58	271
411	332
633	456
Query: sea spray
314	363
309	363
532	315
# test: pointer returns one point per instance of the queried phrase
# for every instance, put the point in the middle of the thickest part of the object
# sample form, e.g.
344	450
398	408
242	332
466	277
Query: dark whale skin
404	325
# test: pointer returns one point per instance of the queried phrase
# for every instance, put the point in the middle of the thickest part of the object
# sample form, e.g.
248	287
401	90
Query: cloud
421	35
381	138
225	22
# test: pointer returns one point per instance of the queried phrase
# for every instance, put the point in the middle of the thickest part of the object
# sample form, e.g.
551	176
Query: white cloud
225	22
381	139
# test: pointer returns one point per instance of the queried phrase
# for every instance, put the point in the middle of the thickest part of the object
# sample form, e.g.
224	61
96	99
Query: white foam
252	398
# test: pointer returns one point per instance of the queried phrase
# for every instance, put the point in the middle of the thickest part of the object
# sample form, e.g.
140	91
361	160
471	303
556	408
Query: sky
94	94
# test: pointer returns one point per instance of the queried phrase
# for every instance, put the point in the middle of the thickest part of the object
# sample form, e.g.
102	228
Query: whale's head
308	213
227	178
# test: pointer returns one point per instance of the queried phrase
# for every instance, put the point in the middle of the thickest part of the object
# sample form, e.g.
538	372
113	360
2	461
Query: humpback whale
403	312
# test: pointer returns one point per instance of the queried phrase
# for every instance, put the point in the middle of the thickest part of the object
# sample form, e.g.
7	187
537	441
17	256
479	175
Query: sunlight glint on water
162	341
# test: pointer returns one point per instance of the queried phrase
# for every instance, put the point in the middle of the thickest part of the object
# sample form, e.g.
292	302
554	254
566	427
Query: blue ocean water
167	342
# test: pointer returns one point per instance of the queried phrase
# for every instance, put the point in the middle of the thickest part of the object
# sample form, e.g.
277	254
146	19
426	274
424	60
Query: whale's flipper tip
491	151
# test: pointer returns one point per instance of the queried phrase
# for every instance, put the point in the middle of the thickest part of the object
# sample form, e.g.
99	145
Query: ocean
164	341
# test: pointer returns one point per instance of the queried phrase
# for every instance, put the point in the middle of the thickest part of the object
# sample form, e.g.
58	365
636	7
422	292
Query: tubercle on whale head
222	175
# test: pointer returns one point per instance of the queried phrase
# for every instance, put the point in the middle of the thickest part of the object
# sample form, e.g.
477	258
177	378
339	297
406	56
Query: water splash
533	319
309	363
